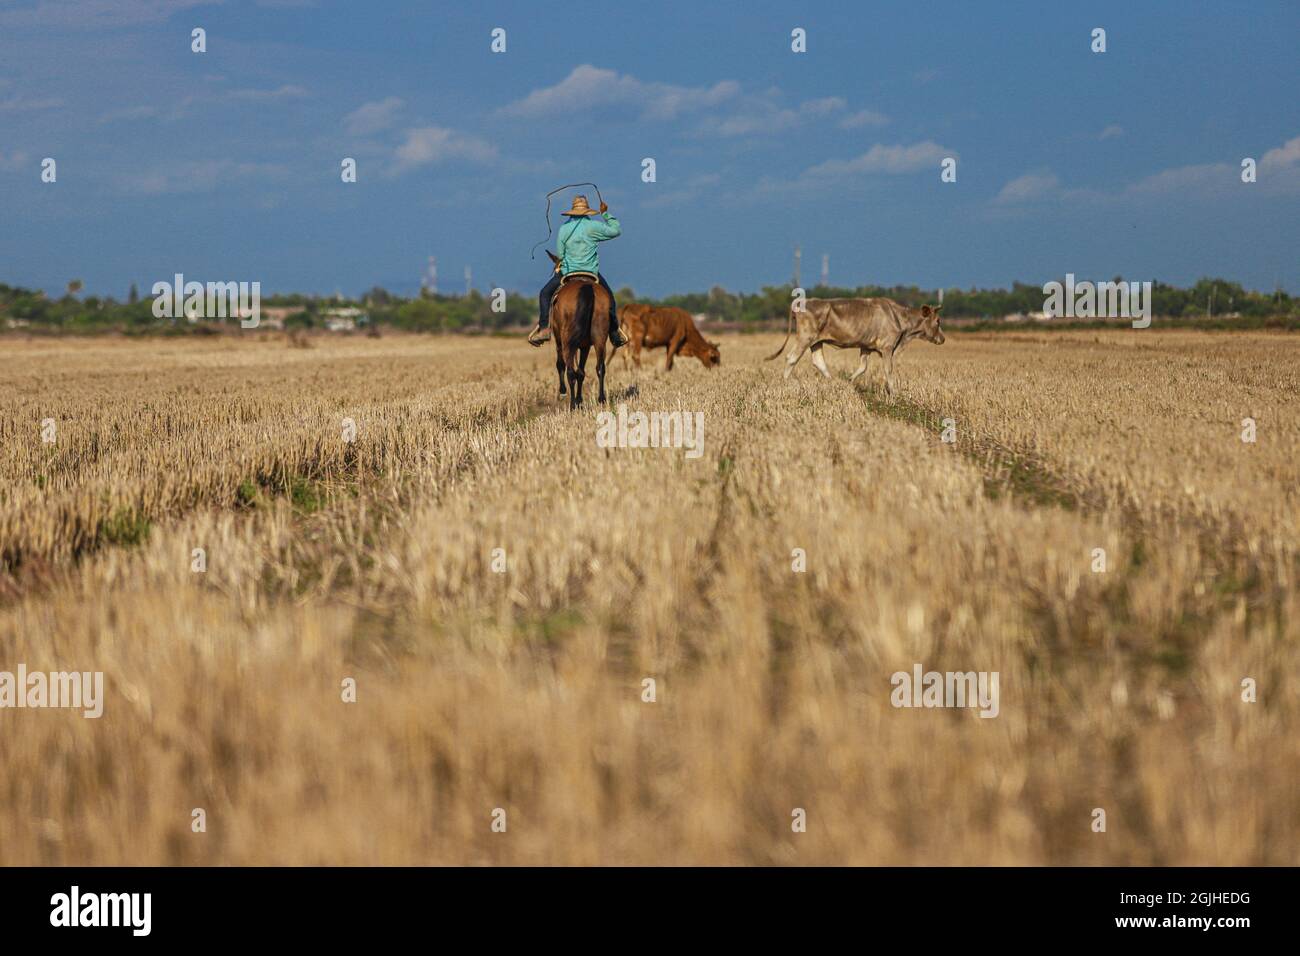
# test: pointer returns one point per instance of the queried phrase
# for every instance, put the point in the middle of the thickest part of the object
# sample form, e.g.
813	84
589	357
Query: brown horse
579	323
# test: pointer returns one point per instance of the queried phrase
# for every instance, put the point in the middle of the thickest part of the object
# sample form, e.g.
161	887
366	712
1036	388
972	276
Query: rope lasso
533	253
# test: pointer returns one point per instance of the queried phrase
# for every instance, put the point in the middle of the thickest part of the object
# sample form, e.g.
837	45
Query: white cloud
436	144
762	115
288	91
194	177
883	159
96	14
723	109
1027	188
372	117
1283	157
1111	131
863	118
128	113
24	104
1278	171
1180	178
181	107
588	86
695	188
829	104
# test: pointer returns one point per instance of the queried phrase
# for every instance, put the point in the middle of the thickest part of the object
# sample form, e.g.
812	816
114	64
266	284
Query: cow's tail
583	312
789	325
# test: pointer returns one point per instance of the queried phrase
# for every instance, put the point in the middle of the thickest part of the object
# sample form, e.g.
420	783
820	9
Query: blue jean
548	290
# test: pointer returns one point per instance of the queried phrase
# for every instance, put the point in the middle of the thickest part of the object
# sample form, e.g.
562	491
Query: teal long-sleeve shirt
578	238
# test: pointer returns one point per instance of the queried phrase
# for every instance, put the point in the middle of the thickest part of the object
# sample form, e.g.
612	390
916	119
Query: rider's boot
539	334
616	336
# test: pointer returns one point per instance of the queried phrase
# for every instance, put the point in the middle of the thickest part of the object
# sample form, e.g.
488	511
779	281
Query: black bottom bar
334	906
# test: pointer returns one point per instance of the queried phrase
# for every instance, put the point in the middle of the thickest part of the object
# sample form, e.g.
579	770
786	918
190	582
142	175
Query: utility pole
469	279
826	269
798	257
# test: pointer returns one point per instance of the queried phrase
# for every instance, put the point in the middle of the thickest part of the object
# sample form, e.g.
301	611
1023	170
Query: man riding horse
577	253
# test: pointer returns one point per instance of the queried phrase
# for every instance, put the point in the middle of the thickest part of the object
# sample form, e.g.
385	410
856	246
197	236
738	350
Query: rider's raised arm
608	228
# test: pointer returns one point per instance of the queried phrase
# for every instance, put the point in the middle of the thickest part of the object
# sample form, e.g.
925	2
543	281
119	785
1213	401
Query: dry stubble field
478	690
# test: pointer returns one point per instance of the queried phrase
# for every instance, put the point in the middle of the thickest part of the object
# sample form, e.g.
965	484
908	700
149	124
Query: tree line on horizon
1209	298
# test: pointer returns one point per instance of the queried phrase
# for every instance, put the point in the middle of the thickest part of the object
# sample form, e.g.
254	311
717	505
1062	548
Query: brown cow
668	328
882	326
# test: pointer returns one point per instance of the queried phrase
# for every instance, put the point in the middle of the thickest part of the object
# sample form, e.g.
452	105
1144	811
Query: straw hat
580	208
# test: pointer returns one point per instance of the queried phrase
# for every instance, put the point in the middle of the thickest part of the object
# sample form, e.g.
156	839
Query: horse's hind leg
575	383
600	371
559	367
582	371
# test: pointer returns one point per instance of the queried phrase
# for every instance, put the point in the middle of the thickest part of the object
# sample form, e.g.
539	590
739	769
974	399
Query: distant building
273	316
344	320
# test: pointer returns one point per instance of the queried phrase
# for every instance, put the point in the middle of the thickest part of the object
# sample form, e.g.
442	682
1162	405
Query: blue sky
225	165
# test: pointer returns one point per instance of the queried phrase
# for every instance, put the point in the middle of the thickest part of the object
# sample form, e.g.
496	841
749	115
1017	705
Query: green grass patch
307	496
1005	470
248	494
126	528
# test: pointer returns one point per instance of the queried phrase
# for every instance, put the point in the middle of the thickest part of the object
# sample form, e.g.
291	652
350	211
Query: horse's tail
788	326
583	312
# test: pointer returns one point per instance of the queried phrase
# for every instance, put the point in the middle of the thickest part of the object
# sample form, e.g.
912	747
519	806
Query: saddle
588	278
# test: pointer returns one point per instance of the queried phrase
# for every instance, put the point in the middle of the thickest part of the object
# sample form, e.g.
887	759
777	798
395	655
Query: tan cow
882	326
670	328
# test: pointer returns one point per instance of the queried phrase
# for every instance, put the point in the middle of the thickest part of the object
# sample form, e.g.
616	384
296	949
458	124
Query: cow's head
704	350
710	355
929	325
